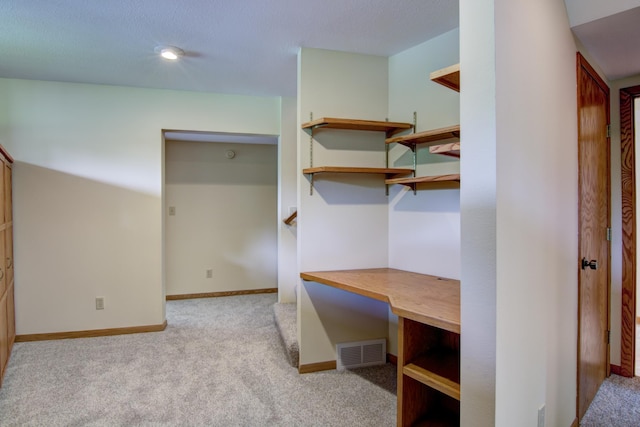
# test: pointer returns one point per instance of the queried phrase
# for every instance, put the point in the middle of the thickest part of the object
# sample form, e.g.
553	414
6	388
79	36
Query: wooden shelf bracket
289	220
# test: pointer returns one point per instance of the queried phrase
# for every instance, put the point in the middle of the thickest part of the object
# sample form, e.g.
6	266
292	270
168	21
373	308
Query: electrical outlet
99	303
172	210
209	274
541	412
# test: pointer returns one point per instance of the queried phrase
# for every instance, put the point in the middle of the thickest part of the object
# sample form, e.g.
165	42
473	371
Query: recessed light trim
170	53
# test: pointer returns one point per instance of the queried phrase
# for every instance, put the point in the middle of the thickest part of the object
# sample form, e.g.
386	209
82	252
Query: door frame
629	232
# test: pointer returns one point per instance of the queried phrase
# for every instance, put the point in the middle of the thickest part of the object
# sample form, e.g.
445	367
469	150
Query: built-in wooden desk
428	310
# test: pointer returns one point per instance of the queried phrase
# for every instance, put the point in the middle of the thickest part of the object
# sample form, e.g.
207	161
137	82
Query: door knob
593	264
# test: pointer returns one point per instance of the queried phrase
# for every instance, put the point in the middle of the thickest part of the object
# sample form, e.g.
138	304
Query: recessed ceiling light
170	53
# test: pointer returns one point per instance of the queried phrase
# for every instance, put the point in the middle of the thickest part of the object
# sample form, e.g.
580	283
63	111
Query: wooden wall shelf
363	170
289	220
448	77
424	179
426	137
389	128
452	149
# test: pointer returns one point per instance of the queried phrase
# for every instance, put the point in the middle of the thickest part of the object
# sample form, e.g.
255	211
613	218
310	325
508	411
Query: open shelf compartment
438	369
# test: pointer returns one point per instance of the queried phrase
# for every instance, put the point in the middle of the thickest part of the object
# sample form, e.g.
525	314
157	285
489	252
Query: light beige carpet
219	363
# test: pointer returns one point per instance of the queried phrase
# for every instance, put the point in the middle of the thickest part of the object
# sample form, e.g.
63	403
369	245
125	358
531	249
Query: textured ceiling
250	46
614	43
232	46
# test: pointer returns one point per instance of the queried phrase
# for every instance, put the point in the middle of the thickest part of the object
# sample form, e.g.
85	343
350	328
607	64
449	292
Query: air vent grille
361	353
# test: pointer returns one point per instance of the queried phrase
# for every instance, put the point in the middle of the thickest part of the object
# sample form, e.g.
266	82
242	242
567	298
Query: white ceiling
232	46
614	43
250	46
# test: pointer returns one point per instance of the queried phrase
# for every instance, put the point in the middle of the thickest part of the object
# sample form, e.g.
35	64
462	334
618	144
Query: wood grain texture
389	128
7	307
222	294
429	180
8	197
616	370
427	137
91	333
4	337
11	316
317	367
418	402
392	358
629	232
451	149
427	299
448	77
594	218
361	170
5	154
289	220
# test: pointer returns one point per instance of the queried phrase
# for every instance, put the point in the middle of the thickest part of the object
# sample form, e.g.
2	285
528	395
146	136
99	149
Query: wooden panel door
594	248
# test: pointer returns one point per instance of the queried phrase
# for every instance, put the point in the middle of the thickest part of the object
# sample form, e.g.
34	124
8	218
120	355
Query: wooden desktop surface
426	299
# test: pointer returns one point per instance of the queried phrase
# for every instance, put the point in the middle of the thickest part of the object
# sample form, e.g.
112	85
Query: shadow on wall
77	238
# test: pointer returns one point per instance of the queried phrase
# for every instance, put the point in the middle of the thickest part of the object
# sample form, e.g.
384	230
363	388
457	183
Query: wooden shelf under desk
389	128
427	137
426	299
438	369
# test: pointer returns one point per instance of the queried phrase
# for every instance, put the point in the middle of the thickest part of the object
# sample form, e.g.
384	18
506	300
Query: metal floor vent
361	353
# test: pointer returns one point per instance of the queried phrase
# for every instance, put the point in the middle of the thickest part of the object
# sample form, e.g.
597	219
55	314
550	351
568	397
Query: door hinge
608	337
608	131
609	234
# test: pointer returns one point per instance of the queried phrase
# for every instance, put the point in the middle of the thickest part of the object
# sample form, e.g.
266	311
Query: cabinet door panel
11	317
4	336
8	255
8	208
3	268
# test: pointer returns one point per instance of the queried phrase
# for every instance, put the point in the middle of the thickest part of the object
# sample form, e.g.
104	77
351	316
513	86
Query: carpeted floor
617	404
219	363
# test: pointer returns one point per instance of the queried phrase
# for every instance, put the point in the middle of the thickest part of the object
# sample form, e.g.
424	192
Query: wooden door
594	249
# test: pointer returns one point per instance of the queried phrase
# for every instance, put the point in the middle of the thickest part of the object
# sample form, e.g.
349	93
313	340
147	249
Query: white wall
288	274
343	225
530	196
478	213
87	194
424	229
536	214
225	217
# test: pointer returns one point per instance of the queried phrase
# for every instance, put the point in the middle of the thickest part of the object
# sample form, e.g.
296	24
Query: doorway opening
219	199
